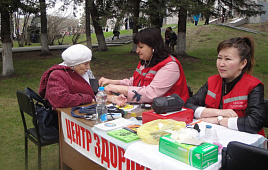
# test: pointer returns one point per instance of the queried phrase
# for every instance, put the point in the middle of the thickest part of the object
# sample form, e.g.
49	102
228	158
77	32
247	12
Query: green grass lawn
202	42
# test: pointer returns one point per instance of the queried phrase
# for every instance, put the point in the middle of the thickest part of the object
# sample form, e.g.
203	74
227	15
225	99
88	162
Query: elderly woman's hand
121	100
104	81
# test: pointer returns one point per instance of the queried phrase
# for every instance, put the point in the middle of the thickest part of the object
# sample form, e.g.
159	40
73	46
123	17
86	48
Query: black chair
26	105
242	156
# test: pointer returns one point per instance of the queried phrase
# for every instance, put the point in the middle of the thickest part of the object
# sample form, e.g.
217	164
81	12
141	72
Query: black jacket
253	122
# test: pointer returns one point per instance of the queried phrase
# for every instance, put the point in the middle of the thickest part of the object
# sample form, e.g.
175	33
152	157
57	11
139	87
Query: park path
123	39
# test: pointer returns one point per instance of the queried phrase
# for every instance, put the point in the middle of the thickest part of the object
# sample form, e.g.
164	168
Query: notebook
123	135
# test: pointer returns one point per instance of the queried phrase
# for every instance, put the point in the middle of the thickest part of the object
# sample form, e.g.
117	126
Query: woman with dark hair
157	74
233	98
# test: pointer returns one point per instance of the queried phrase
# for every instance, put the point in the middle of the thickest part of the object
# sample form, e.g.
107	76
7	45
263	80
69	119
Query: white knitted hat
76	54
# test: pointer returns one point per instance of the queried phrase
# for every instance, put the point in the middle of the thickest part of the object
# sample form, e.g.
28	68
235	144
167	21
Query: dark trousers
115	36
207	21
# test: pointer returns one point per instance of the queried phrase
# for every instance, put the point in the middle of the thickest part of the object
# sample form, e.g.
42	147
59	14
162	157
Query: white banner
94	147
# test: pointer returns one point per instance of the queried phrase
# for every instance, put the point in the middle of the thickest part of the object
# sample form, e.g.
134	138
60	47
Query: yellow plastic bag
151	132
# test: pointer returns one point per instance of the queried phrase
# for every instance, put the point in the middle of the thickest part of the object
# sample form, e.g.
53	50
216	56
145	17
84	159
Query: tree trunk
44	39
8	68
181	40
88	30
136	11
98	29
156	17
11	29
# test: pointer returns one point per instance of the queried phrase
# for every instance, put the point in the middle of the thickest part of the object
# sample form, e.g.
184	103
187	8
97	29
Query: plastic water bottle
208	131
212	137
101	109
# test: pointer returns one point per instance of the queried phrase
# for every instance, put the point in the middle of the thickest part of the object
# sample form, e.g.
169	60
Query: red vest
145	77
236	99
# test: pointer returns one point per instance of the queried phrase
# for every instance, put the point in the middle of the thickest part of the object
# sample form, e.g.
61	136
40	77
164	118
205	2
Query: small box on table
199	157
186	115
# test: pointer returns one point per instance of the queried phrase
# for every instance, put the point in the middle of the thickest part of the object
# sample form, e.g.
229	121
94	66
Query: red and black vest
145	77
236	99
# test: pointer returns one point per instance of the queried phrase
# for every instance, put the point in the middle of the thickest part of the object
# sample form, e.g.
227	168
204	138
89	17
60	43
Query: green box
199	157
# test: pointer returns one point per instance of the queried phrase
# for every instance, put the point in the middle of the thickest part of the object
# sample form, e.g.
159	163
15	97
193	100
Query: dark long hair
152	37
245	48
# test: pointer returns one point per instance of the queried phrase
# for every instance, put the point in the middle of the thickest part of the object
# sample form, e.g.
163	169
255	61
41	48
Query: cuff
232	123
198	112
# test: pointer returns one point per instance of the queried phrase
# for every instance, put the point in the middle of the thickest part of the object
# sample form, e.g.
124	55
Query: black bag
94	83
167	104
47	118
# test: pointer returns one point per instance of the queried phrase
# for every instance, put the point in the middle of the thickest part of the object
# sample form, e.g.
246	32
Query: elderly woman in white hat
67	84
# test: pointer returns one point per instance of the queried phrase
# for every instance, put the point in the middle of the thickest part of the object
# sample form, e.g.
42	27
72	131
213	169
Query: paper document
114	124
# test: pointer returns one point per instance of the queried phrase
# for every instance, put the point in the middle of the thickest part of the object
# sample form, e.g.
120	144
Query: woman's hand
210	120
214	120
121	100
111	88
211	112
227	113
104	81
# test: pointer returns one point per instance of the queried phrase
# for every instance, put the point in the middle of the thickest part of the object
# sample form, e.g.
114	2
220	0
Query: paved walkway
123	39
243	29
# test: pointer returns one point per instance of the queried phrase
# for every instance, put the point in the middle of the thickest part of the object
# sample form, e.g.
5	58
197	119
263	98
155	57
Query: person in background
116	34
207	15
157	74
67	85
196	19
233	98
168	36
171	38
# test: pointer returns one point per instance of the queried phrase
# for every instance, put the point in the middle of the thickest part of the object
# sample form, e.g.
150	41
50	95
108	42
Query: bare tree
61	38
57	24
22	29
76	37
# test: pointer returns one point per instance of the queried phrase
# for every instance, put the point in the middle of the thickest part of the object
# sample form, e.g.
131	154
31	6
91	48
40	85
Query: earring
153	50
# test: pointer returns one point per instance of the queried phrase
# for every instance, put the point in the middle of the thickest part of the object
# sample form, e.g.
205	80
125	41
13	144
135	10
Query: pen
117	94
195	122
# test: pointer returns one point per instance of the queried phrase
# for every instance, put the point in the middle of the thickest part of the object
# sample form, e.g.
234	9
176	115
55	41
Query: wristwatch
219	119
